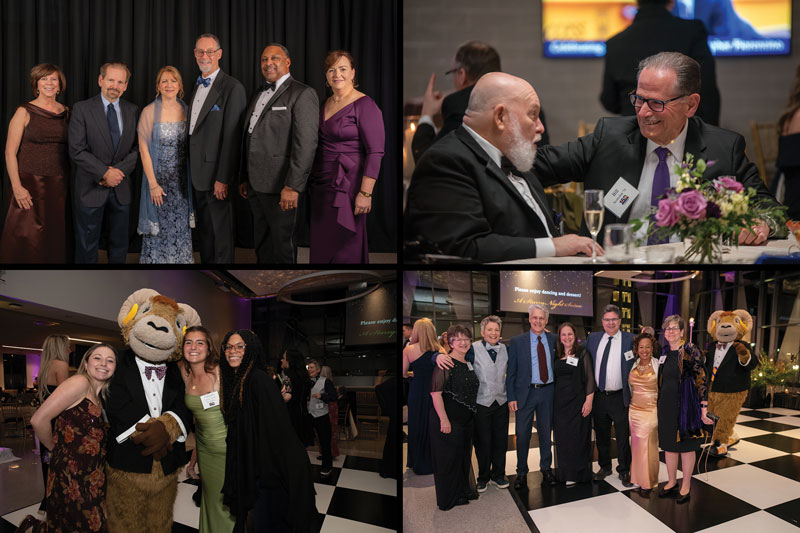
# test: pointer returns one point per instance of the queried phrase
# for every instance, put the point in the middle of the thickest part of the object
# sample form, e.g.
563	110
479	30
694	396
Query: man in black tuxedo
280	140
612	356
468	194
655	30
216	112
644	150
104	147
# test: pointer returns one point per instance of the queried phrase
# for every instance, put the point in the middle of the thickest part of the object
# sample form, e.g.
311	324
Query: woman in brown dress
36	229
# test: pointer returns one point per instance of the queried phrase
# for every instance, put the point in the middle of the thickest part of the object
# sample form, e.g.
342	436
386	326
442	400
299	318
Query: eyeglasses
201	53
672	328
611	320
452	70
459	339
656	105
233	347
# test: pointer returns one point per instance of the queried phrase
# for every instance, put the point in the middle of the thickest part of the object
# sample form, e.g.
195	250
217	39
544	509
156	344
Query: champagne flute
593	214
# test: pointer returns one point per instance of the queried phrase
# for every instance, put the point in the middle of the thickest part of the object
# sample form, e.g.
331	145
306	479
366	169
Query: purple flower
713	210
692	204
667	214
728	182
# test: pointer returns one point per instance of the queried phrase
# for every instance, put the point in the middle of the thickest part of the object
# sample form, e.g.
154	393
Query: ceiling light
22	348
84	340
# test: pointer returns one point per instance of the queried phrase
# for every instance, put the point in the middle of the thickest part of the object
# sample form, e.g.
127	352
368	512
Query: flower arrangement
707	212
770	374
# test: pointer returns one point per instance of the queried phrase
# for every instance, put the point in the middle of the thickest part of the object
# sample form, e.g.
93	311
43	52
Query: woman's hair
82	367
560	350
674	318
333	57
639	338
426	336
794	103
458	329
171	70
43	69
55	347
297	362
232	380
326	372
212	360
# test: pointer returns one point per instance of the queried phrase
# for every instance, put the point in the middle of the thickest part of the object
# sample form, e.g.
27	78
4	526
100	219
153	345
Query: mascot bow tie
159	371
205	82
721	345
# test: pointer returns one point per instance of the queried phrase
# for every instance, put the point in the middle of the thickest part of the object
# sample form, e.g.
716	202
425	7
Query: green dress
211	433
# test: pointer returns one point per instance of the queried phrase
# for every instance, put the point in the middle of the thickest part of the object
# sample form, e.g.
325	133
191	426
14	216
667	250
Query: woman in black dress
454	393
572	403
297	386
682	398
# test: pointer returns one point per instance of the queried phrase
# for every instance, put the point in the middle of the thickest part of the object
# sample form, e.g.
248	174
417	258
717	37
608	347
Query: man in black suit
216	112
280	140
644	150
104	147
655	30
612	356
468	194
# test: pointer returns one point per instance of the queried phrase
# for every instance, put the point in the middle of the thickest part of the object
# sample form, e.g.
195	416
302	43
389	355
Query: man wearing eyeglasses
216	112
638	154
612	355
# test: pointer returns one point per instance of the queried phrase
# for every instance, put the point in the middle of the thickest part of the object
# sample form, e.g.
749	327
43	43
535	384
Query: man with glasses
612	355
637	155
216	112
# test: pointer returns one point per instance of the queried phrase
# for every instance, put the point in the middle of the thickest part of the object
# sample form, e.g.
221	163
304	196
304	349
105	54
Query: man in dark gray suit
215	121
280	140
103	145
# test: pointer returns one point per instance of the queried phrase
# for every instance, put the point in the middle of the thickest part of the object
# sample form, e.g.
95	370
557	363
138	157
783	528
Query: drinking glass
618	242
593	214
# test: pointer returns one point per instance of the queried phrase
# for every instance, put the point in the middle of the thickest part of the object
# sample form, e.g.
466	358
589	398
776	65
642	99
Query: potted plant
770	375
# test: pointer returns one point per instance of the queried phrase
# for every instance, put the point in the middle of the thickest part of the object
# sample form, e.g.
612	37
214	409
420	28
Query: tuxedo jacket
90	148
655	30
617	148
281	149
462	201
127	404
520	373
593	342
731	376
215	142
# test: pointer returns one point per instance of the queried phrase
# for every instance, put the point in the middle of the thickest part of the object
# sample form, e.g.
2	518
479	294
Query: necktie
542	361
267	86
205	82
508	167
660	184
160	371
604	364
113	125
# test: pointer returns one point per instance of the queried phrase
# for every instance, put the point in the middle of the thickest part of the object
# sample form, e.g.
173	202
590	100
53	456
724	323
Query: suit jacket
216	139
731	376
281	149
592	343
617	148
127	404
655	30
91	150
462	201
520	374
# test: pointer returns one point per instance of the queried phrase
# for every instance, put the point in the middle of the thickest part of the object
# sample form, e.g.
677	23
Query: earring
326	84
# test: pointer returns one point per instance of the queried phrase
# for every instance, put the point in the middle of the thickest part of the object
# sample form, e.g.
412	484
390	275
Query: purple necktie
660	184
160	371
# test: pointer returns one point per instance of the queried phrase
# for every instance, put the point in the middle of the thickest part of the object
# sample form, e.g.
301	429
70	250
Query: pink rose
667	214
728	182
692	204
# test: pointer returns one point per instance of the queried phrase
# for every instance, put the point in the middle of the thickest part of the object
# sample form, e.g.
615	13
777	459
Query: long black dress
573	431
671	378
419	407
451	451
299	388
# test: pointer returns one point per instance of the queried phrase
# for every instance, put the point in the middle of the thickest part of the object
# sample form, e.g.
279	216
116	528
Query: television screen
562	292
580	28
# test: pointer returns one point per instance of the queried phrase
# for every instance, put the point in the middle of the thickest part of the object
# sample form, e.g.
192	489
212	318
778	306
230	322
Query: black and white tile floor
755	488
354	499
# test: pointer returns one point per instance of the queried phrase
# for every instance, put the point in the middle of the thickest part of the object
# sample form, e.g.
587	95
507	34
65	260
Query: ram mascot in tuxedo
147	416
728	365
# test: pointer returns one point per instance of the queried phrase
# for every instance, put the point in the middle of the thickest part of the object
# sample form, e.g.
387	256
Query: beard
521	152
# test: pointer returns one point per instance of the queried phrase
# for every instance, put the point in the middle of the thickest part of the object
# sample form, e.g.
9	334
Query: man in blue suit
612	355
529	387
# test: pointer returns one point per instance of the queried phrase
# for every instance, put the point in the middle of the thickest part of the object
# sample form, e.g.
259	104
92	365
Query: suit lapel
133	381
694	141
541	198
267	108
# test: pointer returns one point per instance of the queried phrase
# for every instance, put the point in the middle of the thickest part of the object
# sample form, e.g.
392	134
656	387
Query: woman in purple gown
346	166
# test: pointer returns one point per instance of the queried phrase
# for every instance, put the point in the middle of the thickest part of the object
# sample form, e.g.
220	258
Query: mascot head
153	325
728	326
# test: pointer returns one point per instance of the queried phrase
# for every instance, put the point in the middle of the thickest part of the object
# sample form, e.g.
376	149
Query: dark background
81	35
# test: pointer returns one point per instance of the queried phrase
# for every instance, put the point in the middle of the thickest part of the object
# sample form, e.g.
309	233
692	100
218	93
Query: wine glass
593	214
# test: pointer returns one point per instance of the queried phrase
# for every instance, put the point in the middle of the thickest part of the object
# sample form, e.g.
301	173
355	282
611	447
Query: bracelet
366	194
154	186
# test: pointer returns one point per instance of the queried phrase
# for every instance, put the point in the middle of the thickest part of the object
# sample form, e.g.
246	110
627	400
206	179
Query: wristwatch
366	194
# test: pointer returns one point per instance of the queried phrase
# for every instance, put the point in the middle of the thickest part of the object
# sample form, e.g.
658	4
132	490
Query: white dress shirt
261	103
200	98
719	355
614	364
154	391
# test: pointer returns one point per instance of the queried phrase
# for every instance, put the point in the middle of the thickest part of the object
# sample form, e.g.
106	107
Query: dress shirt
535	378
116	108
544	245
200	99
261	103
154	390
719	355
614	364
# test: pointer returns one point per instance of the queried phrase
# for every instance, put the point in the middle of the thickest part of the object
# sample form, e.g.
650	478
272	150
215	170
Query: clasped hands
112	177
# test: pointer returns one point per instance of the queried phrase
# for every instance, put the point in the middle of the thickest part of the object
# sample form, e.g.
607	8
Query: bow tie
160	371
508	167
721	345
267	86
205	82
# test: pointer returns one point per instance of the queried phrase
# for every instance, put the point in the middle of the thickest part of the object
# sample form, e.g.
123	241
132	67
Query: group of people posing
654	395
252	420
193	156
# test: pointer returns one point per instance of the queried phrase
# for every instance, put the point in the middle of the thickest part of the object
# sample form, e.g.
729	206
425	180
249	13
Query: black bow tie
508	167
205	82
267	85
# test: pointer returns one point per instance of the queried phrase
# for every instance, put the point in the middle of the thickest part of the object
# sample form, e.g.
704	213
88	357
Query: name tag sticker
469	365
620	197
629	355
572	361
279	108
662	359
210	400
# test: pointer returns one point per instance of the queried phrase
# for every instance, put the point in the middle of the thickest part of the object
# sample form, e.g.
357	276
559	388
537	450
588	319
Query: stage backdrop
79	36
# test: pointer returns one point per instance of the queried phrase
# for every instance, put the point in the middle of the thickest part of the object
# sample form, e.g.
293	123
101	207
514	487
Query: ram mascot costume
148	419
728	366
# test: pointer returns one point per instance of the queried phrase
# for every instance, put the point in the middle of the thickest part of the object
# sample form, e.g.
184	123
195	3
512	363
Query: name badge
662	359
620	197
629	355
572	361
210	400
279	108
469	365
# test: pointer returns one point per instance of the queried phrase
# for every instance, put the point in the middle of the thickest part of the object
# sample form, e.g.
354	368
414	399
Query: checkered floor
755	488
354	499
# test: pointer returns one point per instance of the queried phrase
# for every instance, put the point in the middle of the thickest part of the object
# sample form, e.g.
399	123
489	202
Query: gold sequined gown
644	426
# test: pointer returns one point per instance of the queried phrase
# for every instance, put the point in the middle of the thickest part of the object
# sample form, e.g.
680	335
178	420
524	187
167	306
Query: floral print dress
76	484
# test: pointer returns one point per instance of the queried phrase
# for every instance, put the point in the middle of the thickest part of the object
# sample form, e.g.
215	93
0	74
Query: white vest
492	375
316	407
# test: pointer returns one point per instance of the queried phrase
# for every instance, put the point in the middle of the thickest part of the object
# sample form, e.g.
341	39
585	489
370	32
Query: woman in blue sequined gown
165	210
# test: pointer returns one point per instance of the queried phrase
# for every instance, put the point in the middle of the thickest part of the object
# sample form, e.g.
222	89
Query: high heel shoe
27	523
683	498
664	492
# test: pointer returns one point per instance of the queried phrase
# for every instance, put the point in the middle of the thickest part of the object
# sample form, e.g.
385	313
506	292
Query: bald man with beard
472	193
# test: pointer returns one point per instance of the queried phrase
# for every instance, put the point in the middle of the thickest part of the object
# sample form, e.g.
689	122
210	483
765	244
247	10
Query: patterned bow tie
205	82
160	371
267	86
721	345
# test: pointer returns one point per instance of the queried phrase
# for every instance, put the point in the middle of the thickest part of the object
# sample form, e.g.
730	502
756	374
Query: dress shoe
664	492
625	477
683	498
548	478
521	481
27	523
601	474
644	492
